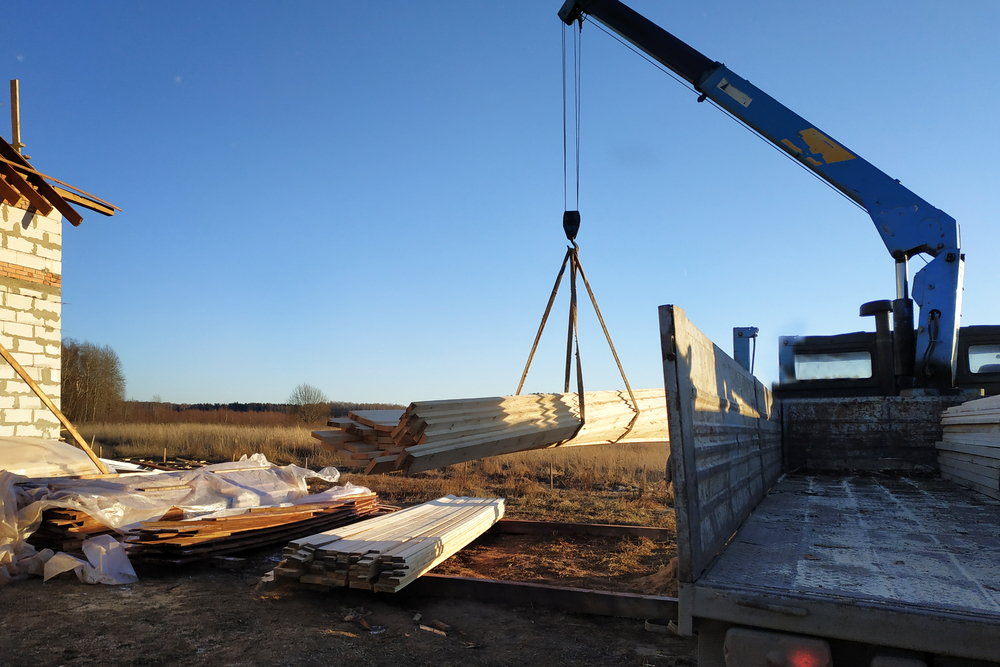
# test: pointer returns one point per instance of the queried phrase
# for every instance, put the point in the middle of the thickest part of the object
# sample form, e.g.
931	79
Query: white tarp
36	457
125	502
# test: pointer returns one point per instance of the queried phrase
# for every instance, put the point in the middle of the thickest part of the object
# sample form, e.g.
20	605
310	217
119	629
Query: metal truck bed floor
904	543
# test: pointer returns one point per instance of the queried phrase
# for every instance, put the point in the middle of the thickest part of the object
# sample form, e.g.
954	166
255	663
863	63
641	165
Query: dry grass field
214	443
603	484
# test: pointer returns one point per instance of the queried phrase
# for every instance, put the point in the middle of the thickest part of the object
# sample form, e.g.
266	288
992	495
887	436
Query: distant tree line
341	408
93	390
212	407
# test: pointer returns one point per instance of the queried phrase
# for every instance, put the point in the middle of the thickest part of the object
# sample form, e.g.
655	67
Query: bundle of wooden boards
361	436
65	529
180	542
388	552
969	451
435	434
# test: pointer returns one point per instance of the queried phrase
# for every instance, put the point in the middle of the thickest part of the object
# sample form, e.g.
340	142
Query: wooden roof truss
20	181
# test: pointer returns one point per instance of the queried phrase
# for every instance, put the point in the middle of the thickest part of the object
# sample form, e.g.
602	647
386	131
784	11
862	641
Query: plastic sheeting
125	502
35	457
108	564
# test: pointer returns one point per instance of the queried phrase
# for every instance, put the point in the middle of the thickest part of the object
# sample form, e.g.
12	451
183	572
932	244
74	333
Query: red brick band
31	275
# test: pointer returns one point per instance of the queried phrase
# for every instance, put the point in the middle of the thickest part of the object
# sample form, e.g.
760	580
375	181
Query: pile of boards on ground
388	552
969	451
66	528
435	434
186	541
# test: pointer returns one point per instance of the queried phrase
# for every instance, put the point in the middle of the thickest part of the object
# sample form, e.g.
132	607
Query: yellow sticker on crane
823	145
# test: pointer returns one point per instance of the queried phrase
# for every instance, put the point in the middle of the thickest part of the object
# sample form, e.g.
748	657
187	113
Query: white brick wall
30	327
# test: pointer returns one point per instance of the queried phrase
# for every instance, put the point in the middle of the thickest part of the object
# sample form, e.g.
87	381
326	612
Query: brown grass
601	484
211	442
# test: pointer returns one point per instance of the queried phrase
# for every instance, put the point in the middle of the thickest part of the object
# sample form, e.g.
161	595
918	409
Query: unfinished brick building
33	207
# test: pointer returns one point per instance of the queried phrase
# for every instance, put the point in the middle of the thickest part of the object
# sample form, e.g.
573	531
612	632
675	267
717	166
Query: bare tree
93	385
308	403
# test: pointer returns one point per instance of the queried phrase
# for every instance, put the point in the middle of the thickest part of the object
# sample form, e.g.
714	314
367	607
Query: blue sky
368	196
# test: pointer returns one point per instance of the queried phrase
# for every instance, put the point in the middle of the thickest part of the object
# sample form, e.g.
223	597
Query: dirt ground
202	615
595	563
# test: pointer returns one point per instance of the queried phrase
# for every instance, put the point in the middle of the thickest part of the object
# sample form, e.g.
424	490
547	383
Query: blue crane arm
907	223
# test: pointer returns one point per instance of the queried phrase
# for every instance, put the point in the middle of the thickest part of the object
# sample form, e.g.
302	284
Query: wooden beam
84	202
52	406
44	189
15	116
28	170
17	181
8	193
576	600
553	528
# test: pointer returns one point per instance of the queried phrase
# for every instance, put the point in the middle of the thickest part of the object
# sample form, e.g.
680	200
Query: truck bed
917	544
870	546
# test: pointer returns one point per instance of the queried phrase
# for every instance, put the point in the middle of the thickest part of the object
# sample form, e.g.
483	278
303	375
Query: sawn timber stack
435	434
186	541
361	436
388	552
969	451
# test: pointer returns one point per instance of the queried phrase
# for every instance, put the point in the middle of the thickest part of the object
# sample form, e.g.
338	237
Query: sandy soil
201	615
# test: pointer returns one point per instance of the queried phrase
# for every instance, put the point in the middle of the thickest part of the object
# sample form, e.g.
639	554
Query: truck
814	525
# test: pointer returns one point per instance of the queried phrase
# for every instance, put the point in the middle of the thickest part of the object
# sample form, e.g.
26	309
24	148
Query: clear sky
367	196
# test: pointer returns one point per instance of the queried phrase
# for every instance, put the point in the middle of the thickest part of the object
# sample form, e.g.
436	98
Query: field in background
214	443
600	484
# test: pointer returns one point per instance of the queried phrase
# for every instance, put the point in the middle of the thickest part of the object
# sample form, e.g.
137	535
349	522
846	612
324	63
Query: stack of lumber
65	529
969	451
180	542
362	436
448	432
435	434
388	552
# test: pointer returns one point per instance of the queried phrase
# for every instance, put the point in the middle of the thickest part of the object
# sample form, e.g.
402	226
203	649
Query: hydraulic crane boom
907	224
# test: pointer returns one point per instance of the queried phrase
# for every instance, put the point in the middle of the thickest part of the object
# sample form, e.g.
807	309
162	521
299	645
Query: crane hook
571	224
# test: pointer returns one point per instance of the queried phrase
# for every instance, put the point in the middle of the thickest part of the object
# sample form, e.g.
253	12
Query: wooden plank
519	440
408	542
44	189
17	181
382	420
985	462
358	447
86	202
961	447
988	477
977	405
334	437
382	464
525	527
959	479
984	440
522	594
8	193
960	473
51	406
